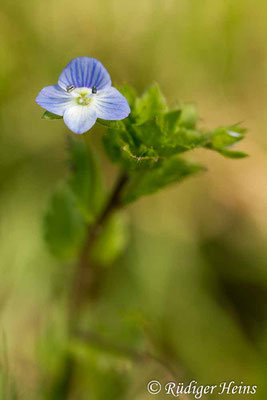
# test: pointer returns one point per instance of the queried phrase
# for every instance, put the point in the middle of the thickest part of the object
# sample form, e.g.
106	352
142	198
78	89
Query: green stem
86	272
85	277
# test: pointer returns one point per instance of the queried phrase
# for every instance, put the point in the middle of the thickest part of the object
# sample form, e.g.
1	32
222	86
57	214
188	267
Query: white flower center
83	96
83	100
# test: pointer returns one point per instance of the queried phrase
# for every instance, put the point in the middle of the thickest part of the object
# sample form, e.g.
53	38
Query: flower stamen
83	99
70	88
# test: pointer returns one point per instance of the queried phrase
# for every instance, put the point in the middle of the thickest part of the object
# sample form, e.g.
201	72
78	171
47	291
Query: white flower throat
83	96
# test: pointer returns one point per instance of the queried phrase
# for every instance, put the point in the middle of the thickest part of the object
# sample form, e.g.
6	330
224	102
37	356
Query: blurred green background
191	286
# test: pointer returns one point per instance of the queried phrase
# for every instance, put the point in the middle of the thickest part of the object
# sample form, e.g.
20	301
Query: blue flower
83	94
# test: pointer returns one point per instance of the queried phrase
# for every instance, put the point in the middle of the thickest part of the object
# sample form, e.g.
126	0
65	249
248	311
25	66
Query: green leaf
140	146
85	179
223	138
130	94
149	104
111	124
168	121
112	240
152	133
113	144
189	116
49	115
121	147
165	135
64	227
232	154
147	182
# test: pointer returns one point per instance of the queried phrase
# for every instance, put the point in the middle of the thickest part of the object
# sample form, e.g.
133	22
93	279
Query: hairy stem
85	273
85	277
84	281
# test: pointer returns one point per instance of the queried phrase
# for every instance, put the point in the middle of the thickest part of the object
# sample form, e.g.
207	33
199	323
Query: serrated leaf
147	182
121	147
152	133
223	138
64	226
149	104
113	144
141	146
112	240
49	115
85	179
167	137
168	121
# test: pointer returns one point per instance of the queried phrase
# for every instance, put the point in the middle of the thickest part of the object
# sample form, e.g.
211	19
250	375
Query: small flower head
83	94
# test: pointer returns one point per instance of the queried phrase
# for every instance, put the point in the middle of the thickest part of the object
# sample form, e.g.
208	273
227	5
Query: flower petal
84	72
54	99
111	104
79	119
